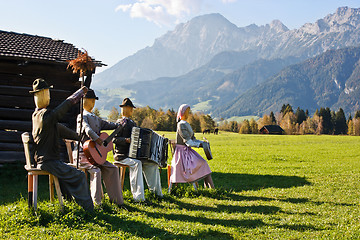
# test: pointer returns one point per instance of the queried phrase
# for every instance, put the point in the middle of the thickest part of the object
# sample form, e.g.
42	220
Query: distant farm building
271	129
23	58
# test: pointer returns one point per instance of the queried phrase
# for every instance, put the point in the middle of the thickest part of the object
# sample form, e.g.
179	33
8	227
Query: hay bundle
82	64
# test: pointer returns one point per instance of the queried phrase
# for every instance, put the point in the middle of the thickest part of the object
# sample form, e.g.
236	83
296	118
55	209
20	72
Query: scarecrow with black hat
91	127
137	168
46	131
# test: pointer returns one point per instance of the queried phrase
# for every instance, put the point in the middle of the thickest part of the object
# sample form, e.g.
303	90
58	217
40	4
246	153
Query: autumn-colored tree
254	127
96	112
194	121
245	127
207	122
288	123
113	115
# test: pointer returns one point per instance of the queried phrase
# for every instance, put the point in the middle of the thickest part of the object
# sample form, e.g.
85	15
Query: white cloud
124	8
162	12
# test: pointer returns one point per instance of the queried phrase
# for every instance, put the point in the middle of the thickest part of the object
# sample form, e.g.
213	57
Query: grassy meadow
268	187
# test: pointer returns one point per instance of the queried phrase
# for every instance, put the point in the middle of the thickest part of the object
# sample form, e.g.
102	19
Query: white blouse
185	135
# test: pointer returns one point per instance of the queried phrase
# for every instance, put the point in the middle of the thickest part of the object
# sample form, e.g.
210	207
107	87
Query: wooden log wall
17	105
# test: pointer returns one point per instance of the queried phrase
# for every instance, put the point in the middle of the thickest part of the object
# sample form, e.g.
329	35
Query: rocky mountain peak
278	26
344	19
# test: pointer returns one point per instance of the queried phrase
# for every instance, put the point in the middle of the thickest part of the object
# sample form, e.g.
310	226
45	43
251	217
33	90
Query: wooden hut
23	58
271	129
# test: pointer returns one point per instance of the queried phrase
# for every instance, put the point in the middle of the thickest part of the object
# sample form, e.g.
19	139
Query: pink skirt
187	165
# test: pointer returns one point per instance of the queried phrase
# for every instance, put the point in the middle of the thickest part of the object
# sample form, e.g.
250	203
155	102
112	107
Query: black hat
91	94
127	102
39	84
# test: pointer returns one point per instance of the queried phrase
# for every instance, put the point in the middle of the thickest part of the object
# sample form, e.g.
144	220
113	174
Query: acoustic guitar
95	153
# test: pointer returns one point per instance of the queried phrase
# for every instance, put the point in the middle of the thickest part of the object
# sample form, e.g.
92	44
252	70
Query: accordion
147	145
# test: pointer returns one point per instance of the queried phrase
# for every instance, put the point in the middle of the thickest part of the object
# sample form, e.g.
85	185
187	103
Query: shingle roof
273	128
35	47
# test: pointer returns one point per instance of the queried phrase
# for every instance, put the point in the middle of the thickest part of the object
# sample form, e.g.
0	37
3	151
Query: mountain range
216	66
331	79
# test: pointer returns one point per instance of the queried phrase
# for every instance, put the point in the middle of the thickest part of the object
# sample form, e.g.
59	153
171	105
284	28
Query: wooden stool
33	174
122	169
70	155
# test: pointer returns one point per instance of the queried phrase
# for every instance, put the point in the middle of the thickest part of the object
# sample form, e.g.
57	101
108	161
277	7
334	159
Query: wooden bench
33	174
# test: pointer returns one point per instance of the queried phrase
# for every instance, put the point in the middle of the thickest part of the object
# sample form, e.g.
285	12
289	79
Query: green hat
38	85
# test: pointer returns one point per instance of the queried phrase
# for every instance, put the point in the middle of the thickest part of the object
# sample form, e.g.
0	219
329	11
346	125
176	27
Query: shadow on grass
221	208
243	182
112	218
203	219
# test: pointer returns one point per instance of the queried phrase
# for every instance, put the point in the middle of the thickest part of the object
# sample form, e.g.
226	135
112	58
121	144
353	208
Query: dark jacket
121	146
47	131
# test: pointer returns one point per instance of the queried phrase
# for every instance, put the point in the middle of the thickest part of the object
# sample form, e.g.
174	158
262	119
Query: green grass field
268	187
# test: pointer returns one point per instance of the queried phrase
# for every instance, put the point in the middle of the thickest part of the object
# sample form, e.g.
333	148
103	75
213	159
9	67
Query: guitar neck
112	135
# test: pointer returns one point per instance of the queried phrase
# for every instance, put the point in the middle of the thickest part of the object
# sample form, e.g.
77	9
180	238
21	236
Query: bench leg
51	188
35	190
58	191
168	174
194	184
30	190
170	185
122	175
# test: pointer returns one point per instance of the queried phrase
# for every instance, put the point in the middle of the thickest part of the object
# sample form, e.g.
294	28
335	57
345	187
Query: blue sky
111	30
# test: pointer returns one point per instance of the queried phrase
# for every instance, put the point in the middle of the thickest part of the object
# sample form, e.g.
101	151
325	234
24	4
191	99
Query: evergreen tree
357	114
300	115
286	109
340	122
272	118
327	125
170	120
234	126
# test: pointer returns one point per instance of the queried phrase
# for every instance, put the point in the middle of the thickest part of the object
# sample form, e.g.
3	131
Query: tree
207	122
350	127
327	124
340	122
96	112
288	123
195	122
113	115
254	127
357	114
234	127
245	127
300	115
272	118
147	123
170	120
286	109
